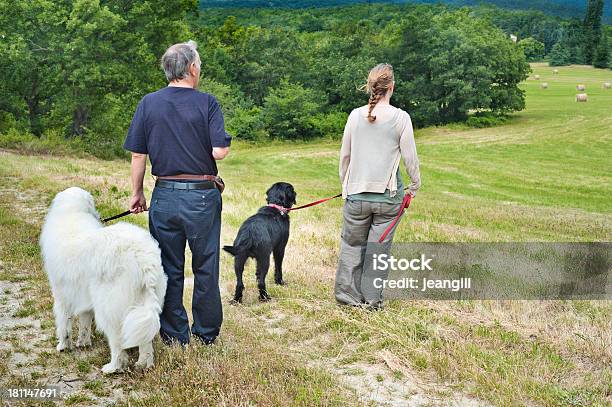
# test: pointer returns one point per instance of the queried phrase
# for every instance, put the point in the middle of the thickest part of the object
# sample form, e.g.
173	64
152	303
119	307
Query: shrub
601	57
559	55
51	141
288	111
329	124
533	49
242	117
245	123
8	122
485	119
106	132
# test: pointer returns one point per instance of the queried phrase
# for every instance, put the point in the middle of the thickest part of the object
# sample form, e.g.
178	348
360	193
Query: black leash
121	215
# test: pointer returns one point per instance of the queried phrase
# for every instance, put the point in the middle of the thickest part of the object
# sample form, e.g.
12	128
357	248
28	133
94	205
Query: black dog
262	234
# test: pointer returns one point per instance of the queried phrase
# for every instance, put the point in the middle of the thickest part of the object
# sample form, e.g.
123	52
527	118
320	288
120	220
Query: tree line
77	69
562	8
561	41
582	38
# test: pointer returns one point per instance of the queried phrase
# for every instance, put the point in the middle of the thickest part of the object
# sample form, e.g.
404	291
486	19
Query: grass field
544	176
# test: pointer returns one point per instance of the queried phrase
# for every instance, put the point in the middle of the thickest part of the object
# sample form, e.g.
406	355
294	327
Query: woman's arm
409	155
345	150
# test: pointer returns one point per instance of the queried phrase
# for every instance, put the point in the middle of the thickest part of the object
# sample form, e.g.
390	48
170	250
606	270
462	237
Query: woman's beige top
371	152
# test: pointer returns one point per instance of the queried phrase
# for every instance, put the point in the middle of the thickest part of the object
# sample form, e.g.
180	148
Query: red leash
405	204
320	201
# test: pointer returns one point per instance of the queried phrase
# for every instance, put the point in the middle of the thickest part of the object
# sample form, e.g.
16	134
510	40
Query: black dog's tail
242	243
231	250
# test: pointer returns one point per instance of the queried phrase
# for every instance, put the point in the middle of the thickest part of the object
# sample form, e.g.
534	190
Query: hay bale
581	97
607	85
581	88
536	77
544	85
555	71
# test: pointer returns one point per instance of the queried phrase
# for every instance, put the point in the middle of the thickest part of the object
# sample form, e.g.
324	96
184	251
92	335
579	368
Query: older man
182	131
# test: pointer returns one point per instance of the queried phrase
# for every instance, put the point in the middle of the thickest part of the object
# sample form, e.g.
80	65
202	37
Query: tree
533	49
30	45
559	55
452	63
288	111
592	28
242	118
601	58
81	66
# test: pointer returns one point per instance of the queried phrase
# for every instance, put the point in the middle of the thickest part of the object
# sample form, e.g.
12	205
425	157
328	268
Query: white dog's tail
142	321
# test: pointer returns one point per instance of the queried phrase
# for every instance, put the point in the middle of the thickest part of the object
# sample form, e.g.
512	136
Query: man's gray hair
178	58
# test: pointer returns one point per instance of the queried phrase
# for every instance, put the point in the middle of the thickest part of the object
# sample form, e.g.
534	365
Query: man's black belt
185	185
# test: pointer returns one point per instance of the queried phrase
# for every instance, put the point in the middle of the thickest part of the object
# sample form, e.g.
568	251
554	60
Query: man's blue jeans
175	217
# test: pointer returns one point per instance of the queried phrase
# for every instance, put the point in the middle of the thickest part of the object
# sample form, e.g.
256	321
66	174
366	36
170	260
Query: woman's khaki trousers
364	223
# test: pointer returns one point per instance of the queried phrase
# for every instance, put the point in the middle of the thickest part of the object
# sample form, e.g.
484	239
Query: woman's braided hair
379	81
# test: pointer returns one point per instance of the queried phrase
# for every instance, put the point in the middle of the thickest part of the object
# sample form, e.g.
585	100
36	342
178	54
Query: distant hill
563	8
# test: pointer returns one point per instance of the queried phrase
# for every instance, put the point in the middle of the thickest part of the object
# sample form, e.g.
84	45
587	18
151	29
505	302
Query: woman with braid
376	138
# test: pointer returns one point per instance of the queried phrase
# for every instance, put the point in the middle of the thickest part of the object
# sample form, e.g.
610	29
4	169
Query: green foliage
241	116
277	73
9	123
329	124
93	61
246	123
592	28
486	119
51	141
532	48
442	71
451	63
526	23
601	58
559	55
288	111
563	8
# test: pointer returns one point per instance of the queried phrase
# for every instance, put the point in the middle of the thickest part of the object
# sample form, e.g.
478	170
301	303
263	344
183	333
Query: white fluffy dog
113	273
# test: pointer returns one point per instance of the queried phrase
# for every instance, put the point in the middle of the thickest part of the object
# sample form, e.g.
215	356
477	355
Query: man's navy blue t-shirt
178	127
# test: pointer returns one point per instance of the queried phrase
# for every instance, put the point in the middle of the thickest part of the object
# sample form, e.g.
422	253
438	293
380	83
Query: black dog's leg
263	263
279	255
239	261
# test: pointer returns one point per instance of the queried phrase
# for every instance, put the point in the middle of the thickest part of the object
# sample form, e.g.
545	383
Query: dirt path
384	382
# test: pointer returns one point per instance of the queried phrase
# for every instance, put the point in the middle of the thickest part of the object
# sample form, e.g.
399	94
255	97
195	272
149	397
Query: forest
74	71
563	8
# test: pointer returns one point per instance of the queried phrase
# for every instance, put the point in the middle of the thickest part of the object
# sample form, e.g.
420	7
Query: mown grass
242	370
544	176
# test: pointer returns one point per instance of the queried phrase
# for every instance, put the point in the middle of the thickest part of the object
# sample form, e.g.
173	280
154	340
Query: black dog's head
281	193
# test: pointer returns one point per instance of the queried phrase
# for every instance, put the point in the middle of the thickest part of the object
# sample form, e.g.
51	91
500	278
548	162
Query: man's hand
219	153
138	203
